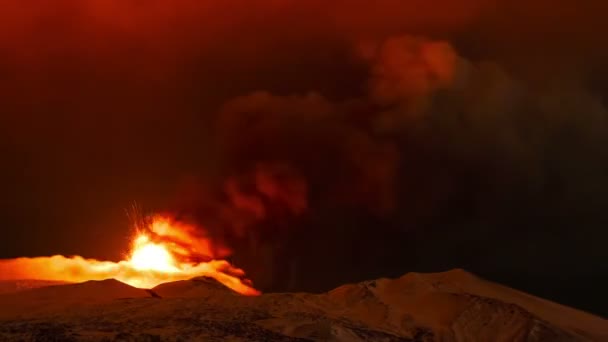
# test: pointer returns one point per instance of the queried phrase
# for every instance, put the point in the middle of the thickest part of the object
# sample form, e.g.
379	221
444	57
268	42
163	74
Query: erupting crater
164	250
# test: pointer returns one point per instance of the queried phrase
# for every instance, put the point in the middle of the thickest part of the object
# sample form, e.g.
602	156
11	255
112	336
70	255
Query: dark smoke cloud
349	139
438	139
319	138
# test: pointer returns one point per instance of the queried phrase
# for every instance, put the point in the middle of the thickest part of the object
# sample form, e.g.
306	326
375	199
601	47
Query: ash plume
438	137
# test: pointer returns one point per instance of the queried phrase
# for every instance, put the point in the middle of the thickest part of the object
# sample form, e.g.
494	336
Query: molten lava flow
164	251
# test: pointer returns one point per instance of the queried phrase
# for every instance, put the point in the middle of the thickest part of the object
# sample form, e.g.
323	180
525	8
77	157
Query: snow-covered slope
450	306
457	305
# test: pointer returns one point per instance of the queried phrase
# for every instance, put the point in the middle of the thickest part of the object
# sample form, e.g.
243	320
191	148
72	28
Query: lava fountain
162	251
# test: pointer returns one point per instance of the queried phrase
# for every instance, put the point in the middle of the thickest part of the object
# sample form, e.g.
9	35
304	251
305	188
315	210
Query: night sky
380	137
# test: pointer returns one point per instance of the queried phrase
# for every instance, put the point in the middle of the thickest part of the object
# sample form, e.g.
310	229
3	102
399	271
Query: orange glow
155	258
151	256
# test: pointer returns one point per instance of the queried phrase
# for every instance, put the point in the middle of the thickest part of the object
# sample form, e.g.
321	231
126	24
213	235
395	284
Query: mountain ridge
449	306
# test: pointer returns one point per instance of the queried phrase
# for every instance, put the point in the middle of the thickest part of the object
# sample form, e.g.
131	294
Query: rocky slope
450	306
8	286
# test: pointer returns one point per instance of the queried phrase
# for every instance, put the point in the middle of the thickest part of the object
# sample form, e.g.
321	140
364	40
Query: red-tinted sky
439	133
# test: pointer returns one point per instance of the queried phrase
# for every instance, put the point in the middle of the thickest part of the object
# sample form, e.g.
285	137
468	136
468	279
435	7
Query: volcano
450	306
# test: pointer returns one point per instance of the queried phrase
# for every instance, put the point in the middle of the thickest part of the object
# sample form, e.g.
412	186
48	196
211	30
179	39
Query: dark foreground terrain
450	306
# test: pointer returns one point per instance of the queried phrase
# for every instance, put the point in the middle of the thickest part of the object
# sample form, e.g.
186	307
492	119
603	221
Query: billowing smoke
437	140
321	142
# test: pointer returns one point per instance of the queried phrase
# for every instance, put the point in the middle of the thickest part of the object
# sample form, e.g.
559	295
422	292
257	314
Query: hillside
449	306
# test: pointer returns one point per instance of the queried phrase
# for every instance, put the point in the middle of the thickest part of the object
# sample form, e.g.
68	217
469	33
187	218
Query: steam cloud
365	138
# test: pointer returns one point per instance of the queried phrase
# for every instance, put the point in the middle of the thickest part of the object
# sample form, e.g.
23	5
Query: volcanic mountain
449	306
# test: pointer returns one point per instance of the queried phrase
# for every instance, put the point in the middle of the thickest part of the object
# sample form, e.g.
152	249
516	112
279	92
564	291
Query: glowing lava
150	256
166	251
